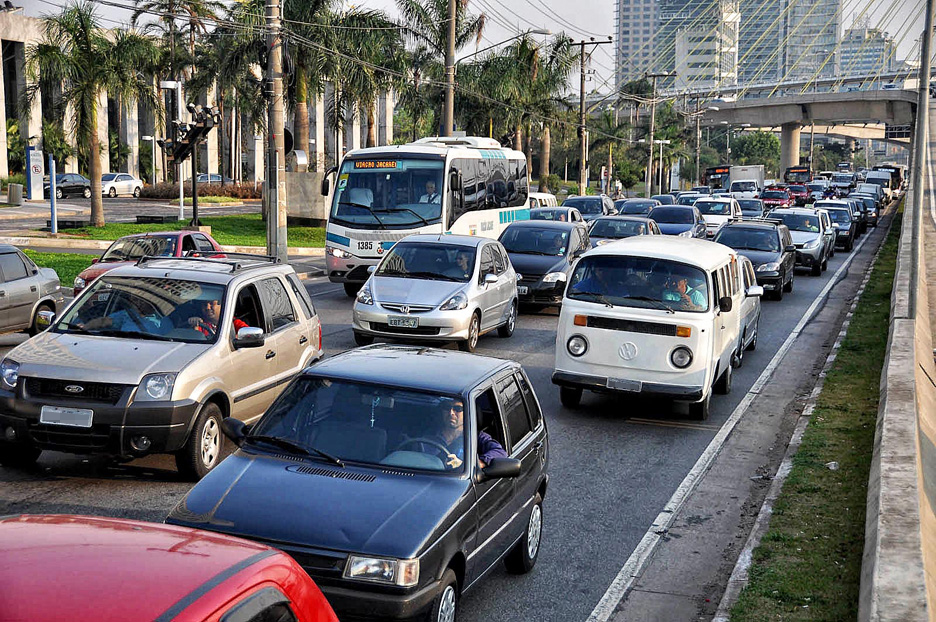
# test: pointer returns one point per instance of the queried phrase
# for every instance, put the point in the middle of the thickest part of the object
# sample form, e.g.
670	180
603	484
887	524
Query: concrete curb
43	242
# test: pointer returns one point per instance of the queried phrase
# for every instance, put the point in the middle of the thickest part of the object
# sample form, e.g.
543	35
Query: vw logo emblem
405	309
74	388
628	351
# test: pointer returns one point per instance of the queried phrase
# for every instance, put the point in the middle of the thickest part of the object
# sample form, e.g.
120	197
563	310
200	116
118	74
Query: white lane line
635	564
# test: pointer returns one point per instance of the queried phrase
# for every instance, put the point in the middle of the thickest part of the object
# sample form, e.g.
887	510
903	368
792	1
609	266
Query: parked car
664	199
635	207
151	357
846	228
800	194
776	197
451	449
683	220
67	567
562	214
543	254
610	228
770	249
542	199
26	290
717	212
439	288
591	207
750	310
751	208
812	234
115	184
651	317
130	248
68	184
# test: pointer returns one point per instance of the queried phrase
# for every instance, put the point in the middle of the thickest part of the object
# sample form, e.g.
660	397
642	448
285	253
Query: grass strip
239	230
188	200
66	265
808	565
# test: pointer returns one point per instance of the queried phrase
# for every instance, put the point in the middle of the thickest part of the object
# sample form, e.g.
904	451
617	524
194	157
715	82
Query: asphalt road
614	462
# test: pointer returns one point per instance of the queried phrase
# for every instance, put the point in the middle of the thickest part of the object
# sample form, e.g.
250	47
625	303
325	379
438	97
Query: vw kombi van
652	316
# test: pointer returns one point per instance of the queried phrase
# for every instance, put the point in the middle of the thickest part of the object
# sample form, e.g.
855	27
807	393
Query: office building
867	51
636	22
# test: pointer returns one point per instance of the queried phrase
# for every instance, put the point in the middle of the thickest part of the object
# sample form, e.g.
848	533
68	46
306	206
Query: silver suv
152	357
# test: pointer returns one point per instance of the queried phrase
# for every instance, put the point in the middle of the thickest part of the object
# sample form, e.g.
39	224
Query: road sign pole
52	184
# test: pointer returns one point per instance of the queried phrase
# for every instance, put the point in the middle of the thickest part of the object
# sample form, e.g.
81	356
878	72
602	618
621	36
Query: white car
718	211
114	184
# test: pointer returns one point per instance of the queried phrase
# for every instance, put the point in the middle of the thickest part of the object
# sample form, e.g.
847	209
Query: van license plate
76	417
523	290
620	384
403	322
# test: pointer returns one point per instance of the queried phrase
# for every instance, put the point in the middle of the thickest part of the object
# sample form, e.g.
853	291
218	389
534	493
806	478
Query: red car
128	249
92	569
800	194
776	197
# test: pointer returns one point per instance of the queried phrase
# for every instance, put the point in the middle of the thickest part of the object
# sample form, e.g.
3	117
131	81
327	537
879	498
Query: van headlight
157	387
577	345
364	295
552	277
337	252
402	572
9	372
681	357
455	303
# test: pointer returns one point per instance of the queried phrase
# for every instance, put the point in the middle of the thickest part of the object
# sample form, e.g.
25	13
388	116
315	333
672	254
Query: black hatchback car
355	473
769	246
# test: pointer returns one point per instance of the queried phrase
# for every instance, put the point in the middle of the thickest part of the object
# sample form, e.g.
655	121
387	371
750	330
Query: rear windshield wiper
654	301
293	447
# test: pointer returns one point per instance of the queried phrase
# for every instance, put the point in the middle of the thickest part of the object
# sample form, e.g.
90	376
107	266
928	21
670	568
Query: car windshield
689	199
774	194
842	178
387	193
664	199
617	228
672	215
750	205
147	308
743	186
642	282
799	189
840	216
131	249
108	177
816	187
535	240
549	214
714	208
635	207
800	222
584	206
747	238
368	423
433	261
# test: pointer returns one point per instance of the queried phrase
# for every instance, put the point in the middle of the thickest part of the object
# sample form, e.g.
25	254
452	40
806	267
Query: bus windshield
388	193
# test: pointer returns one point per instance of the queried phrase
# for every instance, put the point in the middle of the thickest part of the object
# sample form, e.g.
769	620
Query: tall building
636	24
812	37
698	40
867	51
760	55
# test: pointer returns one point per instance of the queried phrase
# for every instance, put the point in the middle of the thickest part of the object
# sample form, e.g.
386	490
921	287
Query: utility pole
698	143
649	175
583	143
812	136
276	152
448	118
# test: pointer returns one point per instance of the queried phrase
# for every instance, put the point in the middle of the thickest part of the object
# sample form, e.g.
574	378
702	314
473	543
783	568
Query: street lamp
176	85
152	139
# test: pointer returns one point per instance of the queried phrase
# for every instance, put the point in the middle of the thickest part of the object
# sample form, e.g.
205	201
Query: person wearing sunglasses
452	414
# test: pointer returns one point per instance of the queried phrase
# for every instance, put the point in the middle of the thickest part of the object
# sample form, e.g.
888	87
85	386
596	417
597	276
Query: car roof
543	224
7	248
717	199
702	253
632	217
805	211
750	224
411	367
459	240
218	271
77	564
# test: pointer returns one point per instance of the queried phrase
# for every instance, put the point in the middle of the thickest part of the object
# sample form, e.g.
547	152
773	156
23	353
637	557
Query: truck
747	182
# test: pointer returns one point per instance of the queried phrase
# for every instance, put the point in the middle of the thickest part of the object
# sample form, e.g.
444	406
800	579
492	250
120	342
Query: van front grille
632	326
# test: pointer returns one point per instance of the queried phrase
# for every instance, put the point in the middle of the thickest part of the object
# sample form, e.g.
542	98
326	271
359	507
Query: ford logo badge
74	388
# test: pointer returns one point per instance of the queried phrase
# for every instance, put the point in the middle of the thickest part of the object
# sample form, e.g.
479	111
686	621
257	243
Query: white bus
459	185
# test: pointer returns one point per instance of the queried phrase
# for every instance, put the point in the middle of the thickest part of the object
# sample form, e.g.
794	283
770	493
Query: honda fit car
812	234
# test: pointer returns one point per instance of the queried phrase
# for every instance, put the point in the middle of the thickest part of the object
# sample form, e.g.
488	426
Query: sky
580	19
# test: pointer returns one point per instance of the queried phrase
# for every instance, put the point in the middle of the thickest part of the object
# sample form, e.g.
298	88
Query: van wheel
507	328
362	340
445	604
723	384
202	451
351	289
570	397
18	455
700	410
474	331
737	360
522	557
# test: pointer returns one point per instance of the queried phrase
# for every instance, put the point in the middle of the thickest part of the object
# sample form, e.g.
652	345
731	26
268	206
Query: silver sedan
438	288
25	291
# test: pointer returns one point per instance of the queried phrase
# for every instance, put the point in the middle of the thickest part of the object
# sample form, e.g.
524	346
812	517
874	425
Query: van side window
717	287
734	276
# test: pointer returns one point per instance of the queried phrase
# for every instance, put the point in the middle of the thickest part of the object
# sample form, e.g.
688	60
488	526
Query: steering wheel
421	439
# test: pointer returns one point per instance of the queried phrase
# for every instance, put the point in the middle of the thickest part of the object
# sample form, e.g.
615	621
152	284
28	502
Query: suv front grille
65	438
90	391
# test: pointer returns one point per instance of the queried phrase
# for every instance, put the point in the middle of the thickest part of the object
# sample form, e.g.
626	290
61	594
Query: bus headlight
681	357
577	345
337	252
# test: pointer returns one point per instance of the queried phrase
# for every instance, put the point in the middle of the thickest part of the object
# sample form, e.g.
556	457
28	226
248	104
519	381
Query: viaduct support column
789	145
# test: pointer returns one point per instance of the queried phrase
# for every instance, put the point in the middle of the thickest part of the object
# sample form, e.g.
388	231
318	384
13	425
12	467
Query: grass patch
808	565
240	230
213	200
66	265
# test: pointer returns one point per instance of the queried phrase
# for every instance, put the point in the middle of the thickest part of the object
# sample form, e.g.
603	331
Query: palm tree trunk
518	137
301	119
545	148
94	169
371	123
529	148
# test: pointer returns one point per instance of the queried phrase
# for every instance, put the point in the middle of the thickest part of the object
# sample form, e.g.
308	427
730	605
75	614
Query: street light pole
448	119
276	156
649	175
583	144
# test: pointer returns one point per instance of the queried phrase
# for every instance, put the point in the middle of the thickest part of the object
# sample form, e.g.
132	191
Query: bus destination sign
375	164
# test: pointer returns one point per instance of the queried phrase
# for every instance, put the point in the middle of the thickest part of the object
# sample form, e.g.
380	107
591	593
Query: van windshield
641	282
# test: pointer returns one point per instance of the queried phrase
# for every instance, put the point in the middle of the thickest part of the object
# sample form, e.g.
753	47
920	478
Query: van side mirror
724	303
500	468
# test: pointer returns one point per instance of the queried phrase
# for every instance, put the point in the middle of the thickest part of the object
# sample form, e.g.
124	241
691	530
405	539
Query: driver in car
206	322
451	435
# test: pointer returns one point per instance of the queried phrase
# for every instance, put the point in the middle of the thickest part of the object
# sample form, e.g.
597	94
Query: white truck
747	182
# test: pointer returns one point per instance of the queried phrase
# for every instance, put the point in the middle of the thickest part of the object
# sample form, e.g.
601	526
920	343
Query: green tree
16	148
117	150
55	143
757	148
88	60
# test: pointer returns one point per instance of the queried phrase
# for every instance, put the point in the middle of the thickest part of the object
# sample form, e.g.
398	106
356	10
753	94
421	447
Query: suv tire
202	450
522	558
18	455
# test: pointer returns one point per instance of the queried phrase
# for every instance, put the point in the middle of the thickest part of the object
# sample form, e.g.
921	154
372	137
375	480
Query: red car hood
95	270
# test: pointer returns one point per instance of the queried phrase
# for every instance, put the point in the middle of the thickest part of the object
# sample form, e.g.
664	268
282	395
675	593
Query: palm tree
89	61
609	133
197	13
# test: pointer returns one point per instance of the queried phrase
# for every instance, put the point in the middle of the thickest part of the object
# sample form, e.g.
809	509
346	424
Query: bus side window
469	174
518	173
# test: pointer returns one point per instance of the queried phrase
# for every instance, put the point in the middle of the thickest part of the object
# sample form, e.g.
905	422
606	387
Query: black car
635	207
610	228
846	227
542	253
664	199
591	207
751	208
870	207
68	184
351	472
770	248
683	220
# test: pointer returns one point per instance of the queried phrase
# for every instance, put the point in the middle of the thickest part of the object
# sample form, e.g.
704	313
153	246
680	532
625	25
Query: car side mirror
234	429
44	319
755	290
249	337
490	278
724	303
500	468
371	269
789	248
95	260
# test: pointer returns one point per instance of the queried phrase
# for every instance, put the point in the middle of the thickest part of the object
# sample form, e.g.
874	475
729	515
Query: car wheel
507	328
362	340
16	455
825	264
202	451
570	397
816	270
788	287
58	193
136	192
753	345
34	325
474	331
112	192
832	252
445	605
723	384
521	559
700	410
849	245
777	294
351	289
86	193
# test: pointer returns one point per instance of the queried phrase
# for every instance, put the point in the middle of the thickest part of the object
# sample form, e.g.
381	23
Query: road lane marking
672	424
627	575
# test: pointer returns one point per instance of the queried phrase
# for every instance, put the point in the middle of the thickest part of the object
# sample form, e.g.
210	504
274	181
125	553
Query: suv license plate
523	290
75	417
620	384
403	322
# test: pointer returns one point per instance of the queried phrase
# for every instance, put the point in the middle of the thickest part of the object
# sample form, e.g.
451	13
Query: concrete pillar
214	136
102	132
71	164
30	122
4	162
789	145
385	107
317	150
130	134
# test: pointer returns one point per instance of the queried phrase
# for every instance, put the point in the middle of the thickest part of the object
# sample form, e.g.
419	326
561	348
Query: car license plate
523	290
620	384
76	417
403	322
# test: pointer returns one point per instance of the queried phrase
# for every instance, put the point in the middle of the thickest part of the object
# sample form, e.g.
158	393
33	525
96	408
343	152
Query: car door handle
2	293
32	288
303	340
538	447
270	354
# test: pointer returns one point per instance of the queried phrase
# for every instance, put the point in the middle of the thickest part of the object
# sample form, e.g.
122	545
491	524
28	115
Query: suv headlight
812	243
552	277
337	252
686	234
455	303
156	387
402	572
80	283
9	372
364	295
772	266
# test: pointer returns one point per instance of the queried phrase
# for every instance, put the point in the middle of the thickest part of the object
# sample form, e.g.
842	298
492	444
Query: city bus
716	177
797	175
459	185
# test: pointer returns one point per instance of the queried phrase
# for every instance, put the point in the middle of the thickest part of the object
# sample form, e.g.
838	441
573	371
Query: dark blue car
683	220
354	472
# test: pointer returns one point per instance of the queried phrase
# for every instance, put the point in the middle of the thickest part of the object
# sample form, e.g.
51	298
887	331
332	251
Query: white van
652	315
882	179
542	199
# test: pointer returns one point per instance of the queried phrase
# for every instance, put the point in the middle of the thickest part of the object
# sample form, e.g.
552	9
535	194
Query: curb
44	242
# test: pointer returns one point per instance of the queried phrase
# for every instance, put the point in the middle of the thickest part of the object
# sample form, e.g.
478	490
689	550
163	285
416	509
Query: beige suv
152	357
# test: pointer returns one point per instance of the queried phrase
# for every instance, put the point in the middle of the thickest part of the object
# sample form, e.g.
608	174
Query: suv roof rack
219	258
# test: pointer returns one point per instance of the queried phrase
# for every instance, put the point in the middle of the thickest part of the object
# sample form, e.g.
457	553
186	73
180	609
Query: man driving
206	322
452	415
431	195
688	295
